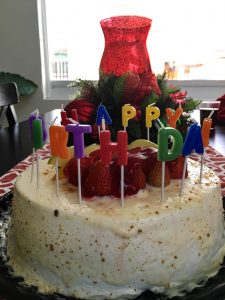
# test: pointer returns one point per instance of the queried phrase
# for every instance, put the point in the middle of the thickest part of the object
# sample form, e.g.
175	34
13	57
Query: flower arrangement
115	91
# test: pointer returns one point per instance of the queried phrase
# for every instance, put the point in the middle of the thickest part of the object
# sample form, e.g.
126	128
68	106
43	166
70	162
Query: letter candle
206	126
58	141
65	120
128	112
37	130
33	116
102	117
193	141
106	149
172	118
78	141
164	153
152	113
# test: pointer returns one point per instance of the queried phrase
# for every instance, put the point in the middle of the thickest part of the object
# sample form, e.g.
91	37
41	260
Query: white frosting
98	250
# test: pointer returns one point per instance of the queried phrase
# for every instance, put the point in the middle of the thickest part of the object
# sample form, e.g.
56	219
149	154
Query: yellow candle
152	113
128	112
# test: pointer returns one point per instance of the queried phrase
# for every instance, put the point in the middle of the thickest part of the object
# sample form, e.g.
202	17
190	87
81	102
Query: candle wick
211	113
160	123
37	114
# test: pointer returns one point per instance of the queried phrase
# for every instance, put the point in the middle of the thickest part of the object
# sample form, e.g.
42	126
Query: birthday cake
98	250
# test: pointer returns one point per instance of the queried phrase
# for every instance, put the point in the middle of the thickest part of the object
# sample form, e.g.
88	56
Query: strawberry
155	175
104	179
139	178
176	167
98	180
146	157
70	170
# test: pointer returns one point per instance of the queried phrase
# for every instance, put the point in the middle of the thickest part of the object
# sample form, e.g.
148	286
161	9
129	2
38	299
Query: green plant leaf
25	86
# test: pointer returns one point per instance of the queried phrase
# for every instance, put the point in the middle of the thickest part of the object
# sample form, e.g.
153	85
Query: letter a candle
102	117
166	154
193	141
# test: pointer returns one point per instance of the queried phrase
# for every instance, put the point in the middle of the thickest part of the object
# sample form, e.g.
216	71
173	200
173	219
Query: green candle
37	134
164	153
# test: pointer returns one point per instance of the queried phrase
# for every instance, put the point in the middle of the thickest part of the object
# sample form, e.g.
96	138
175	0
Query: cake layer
98	250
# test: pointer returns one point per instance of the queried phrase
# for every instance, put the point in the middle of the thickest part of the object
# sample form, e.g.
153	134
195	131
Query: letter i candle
38	135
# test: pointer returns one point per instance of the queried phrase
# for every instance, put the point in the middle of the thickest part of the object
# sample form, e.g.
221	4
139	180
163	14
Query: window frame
58	90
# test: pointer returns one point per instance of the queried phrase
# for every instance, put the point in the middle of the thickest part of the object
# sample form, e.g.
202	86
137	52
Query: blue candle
102	114
193	141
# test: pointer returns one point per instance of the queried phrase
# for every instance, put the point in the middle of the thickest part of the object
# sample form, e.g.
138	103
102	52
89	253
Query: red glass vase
125	52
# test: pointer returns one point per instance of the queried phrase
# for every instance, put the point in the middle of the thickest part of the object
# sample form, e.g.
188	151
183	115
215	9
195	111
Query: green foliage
25	86
110	91
191	104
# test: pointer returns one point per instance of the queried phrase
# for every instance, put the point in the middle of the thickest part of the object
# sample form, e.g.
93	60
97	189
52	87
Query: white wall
20	51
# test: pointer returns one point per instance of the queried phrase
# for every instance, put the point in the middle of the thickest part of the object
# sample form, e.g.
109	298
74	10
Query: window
186	39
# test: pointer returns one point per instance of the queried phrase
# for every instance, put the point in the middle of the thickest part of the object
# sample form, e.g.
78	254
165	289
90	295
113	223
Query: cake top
146	202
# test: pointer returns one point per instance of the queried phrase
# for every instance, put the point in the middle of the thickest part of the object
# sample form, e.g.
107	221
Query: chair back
8	96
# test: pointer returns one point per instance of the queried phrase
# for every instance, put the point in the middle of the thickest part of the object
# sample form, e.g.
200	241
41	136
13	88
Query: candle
37	133
193	141
78	141
65	120
35	115
164	153
102	117
206	126
128	112
102	114
152	113
173	117
58	141
106	149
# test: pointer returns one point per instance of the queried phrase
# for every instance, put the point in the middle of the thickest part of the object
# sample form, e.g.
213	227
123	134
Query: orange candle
206	126
58	141
172	118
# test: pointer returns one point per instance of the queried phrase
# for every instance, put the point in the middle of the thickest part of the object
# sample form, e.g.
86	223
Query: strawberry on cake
99	250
